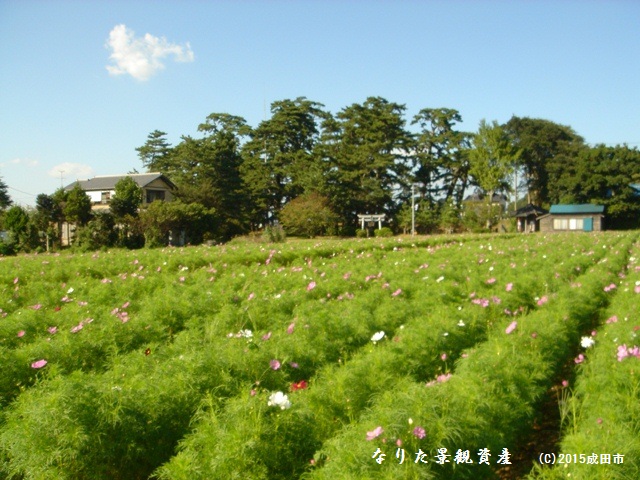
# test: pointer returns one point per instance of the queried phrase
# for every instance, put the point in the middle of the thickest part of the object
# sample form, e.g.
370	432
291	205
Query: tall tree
547	148
208	171
366	147
491	159
5	199
441	154
279	159
48	217
78	206
155	153
127	198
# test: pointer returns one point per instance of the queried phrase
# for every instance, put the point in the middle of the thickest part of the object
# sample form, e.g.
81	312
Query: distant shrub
383	232
361	233
274	234
308	215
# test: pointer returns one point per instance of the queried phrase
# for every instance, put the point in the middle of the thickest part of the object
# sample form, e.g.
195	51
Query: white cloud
71	172
142	57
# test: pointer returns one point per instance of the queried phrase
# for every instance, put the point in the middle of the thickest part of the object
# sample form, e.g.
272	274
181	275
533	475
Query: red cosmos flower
301	385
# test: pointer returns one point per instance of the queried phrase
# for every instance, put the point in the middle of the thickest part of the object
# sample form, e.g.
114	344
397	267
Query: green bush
274	234
383	232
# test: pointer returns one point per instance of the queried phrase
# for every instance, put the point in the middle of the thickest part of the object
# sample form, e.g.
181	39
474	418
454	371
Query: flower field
438	357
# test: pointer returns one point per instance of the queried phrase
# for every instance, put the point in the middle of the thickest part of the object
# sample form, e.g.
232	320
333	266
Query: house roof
528	210
108	182
479	197
583	208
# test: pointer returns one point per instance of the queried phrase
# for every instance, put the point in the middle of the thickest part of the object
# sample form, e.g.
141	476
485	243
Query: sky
82	83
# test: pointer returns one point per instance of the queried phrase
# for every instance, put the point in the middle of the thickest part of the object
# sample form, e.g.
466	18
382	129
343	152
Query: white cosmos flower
586	342
377	336
279	399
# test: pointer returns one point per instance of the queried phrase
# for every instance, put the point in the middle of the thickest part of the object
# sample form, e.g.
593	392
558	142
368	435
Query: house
155	186
528	218
584	217
498	199
101	189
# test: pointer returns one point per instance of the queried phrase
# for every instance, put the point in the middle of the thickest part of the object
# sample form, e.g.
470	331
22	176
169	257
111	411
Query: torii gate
372	218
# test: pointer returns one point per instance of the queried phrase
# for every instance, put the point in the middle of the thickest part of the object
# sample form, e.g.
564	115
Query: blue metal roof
584	208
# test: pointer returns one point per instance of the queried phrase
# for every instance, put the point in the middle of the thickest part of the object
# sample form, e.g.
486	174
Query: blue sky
173	63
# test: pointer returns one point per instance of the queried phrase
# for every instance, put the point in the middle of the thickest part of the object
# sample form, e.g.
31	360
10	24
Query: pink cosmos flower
266	336
275	364
39	363
637	289
579	359
346	275
612	319
610	287
311	286
512	326
509	287
16	280
376	432
543	300
419	432
443	357
396	293
491	281
37	306
291	327
21	333
52	330
251	296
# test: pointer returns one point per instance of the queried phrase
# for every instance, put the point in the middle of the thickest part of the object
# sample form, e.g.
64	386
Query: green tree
168	222
127	198
5	199
365	148
208	171
547	148
308	215
155	154
602	175
77	208
491	159
23	235
48	218
279	159
441	154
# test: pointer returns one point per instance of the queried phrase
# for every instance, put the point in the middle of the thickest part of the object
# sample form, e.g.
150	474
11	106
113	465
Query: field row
269	367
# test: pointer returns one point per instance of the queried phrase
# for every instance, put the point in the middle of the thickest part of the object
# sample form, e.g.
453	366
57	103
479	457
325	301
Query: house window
568	223
105	197
153	195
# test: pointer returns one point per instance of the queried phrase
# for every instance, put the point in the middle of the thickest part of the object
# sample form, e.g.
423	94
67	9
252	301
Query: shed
528	217
584	217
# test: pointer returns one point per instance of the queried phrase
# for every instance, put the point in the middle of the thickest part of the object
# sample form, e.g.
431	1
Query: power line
26	193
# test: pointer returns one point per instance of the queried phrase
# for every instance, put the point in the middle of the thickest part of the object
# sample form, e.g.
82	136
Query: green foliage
175	222
308	215
5	199
164	358
441	153
127	198
274	234
155	153
77	207
383	232
364	148
98	233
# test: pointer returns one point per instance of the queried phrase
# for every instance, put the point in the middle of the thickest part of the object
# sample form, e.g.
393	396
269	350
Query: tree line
313	172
